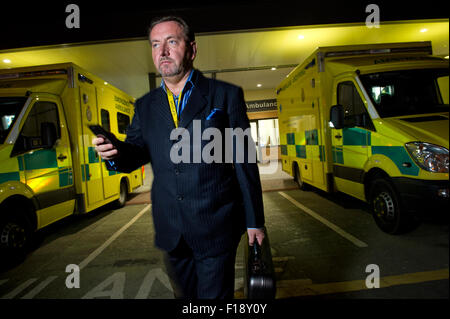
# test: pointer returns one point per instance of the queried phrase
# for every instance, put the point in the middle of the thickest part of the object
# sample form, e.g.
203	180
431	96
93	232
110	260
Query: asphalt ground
324	247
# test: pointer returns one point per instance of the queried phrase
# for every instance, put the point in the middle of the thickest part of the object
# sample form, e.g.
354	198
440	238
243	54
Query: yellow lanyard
173	108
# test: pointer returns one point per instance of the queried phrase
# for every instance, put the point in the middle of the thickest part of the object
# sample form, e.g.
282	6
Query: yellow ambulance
371	121
48	166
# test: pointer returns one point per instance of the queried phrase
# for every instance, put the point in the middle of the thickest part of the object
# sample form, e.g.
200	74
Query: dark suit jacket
210	205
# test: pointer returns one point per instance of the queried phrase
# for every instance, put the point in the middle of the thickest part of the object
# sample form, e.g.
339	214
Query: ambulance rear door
91	162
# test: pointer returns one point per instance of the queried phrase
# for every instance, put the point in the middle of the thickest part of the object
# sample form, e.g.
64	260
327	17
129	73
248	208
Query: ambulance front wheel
387	209
15	237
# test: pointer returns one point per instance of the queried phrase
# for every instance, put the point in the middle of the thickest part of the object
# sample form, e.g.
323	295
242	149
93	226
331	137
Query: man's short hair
189	35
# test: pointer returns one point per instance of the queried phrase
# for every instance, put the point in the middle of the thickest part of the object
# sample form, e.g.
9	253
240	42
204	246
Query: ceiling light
301	37
424	30
6	61
258	85
273	69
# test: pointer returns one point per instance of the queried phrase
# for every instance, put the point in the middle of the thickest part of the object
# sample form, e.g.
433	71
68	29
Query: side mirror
48	134
337	116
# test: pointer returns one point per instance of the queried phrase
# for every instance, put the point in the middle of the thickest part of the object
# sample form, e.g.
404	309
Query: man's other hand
257	233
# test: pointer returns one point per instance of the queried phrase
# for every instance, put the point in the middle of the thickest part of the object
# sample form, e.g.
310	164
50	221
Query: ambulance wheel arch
17	224
19	195
380	163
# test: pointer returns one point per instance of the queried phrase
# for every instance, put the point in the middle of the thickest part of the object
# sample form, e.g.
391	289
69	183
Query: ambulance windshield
408	92
10	108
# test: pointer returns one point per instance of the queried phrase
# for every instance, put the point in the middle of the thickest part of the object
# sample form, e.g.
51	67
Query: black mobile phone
108	136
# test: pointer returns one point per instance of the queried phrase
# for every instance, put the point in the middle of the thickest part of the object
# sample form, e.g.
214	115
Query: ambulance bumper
422	195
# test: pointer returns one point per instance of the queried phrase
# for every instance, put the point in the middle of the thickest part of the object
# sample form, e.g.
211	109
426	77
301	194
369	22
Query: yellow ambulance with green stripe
371	121
48	166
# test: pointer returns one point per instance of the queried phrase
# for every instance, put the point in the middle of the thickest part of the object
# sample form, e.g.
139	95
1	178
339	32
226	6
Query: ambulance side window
123	121
43	112
355	113
104	114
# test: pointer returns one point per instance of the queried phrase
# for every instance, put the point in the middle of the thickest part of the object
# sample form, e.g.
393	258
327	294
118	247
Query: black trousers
199	277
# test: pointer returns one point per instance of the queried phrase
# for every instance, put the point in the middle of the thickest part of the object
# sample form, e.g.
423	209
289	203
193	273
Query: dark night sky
26	24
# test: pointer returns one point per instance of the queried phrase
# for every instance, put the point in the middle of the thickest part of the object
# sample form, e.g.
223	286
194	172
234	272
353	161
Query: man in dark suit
200	208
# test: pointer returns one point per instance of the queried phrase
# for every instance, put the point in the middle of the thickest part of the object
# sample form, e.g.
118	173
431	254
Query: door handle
62	157
338	136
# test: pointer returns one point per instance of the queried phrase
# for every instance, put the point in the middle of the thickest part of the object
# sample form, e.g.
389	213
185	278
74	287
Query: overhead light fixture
6	61
259	85
106	83
273	69
423	30
301	37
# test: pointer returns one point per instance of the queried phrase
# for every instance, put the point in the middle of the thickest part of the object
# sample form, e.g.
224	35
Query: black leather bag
259	277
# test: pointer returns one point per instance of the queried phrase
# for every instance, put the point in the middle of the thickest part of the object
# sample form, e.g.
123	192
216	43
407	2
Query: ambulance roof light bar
20	75
424	49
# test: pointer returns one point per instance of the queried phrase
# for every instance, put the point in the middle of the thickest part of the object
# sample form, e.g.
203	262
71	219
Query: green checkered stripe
9	176
311	140
42	159
360	137
92	159
352	137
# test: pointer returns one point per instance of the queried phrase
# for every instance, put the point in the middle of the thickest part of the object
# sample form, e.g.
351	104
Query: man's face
172	55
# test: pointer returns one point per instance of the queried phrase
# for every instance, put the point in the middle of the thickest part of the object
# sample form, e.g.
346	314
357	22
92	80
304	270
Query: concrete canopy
246	58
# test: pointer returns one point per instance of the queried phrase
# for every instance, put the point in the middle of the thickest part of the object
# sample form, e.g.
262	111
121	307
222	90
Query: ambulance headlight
428	156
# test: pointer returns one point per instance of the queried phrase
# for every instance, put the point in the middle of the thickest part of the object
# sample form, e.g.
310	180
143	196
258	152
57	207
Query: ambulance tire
387	209
298	179
15	238
123	195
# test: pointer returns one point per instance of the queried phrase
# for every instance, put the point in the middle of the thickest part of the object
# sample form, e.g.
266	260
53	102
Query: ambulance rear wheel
123	195
386	208
298	179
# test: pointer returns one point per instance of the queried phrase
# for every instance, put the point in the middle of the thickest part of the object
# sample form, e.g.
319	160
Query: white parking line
99	250
39	288
337	229
19	289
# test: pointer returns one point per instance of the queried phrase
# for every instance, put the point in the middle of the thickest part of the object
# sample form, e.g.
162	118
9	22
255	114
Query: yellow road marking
296	288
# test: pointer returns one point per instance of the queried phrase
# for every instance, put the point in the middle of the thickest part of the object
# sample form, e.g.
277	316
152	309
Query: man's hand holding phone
105	143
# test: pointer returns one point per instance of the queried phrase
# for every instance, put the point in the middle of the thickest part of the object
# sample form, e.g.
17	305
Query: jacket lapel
162	108
197	101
